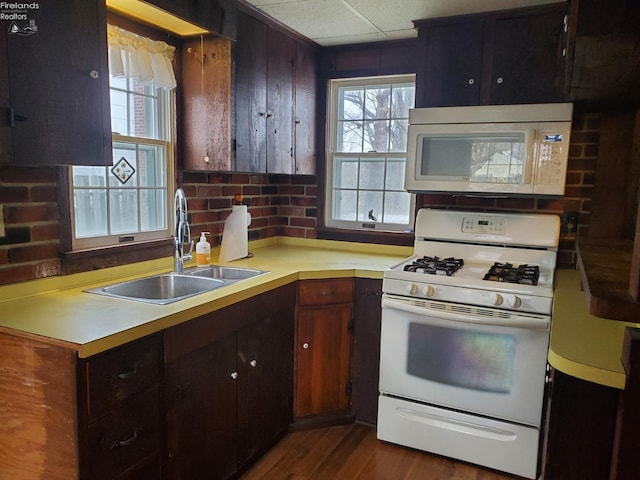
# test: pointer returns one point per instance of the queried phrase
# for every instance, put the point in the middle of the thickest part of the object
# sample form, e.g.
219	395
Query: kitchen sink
161	289
228	274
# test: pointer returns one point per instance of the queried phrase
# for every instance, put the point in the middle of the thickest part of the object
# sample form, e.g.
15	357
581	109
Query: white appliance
489	150
465	335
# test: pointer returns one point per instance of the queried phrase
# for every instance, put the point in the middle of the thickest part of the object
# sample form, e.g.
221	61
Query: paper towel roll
234	235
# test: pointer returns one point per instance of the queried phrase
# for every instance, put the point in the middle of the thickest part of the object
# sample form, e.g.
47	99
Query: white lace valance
133	56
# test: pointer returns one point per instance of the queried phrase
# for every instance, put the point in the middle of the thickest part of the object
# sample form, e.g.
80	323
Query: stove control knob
496	299
428	291
514	302
412	288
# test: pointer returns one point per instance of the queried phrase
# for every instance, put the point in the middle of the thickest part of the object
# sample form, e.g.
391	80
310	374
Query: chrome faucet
182	233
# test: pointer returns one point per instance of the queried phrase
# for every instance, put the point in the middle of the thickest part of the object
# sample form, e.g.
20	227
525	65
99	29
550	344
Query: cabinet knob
499	80
234	375
253	363
94	74
305	345
471	81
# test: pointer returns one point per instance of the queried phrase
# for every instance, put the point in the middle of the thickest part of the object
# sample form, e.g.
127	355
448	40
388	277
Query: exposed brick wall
583	154
279	205
30	246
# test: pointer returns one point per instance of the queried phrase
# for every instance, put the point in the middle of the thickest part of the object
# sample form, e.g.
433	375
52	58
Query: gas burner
506	272
435	266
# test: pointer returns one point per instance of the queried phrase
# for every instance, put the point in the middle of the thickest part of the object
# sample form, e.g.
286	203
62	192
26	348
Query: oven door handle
511	320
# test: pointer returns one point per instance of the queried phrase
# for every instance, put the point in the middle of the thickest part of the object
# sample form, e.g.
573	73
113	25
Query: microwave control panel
551	157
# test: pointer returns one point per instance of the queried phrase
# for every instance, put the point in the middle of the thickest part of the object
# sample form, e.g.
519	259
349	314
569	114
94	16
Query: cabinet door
367	317
6	137
528	61
322	349
201	413
280	60
251	95
59	86
268	356
206	96
449	71
305	110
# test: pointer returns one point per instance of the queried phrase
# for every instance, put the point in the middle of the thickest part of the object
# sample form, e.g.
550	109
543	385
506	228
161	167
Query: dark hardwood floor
352	452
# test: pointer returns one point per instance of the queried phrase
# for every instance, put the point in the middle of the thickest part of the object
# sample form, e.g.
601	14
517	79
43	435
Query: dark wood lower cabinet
365	367
580	429
229	386
202	412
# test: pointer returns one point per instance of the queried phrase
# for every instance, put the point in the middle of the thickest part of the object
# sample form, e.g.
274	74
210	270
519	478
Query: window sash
365	183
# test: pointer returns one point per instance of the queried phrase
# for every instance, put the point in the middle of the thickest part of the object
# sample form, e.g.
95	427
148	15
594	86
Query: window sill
384	238
113	256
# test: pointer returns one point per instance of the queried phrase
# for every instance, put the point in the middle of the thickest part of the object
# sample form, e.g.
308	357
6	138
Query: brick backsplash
279	205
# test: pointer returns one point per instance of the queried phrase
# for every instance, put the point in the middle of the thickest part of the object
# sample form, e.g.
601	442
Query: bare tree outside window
368	153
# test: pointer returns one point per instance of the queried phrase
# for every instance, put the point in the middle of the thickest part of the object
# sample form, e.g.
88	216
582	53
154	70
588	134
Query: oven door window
462	358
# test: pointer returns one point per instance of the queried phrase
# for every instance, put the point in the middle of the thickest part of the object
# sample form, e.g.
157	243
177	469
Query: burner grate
506	272
435	265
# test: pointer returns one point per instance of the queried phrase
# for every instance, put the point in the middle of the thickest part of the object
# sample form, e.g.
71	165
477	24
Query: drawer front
125	438
322	292
119	373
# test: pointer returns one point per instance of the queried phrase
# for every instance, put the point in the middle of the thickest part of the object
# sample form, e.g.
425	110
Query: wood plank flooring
352	452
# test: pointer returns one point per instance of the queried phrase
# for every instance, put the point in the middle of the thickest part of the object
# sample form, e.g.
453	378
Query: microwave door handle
531	323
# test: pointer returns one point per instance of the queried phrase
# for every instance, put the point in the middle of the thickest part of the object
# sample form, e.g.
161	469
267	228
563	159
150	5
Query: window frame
165	119
331	133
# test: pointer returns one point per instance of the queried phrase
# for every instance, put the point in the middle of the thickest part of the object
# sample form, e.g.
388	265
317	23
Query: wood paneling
206	96
366	349
579	429
37	411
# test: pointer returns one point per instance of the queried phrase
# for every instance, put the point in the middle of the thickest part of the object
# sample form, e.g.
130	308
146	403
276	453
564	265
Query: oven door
478	360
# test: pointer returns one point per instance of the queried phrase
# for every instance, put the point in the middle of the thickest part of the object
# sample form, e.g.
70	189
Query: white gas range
465	334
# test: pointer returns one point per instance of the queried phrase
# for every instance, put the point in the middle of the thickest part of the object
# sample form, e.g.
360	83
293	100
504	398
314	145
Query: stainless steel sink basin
228	274
161	289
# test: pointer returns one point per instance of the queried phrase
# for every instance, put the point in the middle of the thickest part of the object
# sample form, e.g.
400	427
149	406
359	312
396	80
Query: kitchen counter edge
58	311
583	345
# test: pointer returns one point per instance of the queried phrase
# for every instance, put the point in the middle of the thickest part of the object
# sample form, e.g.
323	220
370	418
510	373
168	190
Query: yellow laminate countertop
583	345
58	310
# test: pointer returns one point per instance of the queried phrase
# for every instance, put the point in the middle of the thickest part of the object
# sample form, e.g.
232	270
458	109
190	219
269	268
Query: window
130	200
366	153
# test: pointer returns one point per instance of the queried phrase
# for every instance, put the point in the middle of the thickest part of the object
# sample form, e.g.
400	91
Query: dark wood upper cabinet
6	136
506	57
305	88
251	95
275	88
451	66
279	118
206	99
58	84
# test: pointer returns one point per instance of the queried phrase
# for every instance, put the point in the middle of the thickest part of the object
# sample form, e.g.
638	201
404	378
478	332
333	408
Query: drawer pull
128	441
253	363
126	375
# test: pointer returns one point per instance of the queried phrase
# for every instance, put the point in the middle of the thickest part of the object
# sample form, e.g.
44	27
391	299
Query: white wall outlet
1	222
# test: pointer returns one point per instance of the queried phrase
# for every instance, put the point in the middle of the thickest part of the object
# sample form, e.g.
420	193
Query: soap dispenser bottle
203	251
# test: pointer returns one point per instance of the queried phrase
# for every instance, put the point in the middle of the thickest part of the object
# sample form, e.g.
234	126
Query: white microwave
492	150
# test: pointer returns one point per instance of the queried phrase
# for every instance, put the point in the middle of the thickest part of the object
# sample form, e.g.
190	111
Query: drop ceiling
339	22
